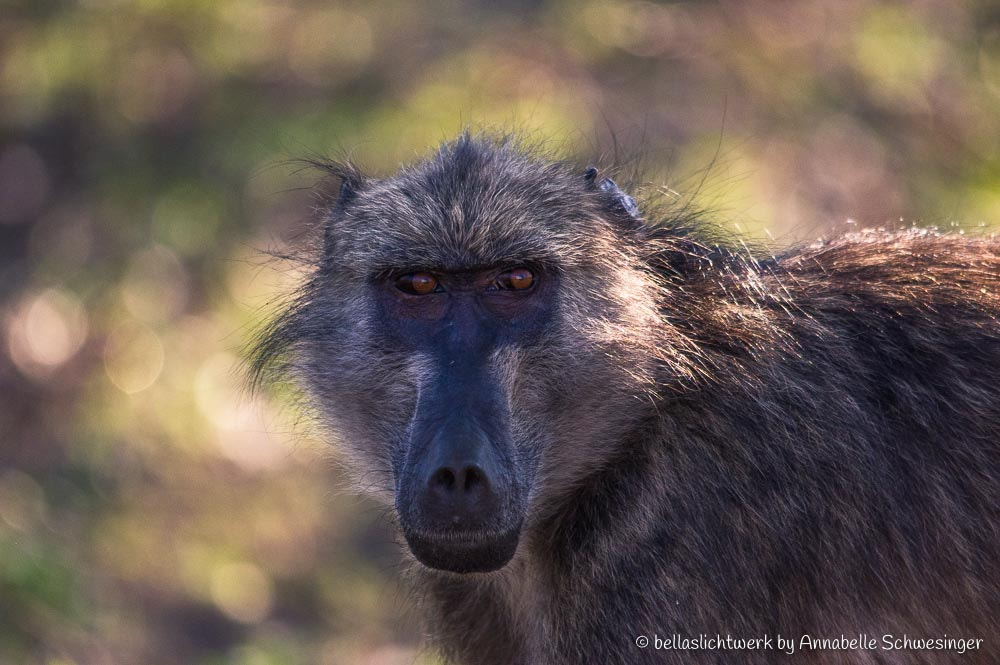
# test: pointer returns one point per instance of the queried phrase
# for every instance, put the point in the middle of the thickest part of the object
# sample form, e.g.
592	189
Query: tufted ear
626	202
622	200
352	183
348	192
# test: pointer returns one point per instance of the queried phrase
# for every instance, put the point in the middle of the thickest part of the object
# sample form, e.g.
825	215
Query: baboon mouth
464	553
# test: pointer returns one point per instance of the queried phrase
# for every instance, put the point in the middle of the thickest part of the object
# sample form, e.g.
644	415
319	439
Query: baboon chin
471	553
638	432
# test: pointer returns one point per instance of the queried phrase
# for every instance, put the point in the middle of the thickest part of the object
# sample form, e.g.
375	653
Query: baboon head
478	331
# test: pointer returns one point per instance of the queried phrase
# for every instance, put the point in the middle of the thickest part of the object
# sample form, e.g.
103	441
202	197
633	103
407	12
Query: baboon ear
352	182
348	191
622	200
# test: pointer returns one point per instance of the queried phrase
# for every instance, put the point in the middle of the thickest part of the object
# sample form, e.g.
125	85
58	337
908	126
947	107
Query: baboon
599	426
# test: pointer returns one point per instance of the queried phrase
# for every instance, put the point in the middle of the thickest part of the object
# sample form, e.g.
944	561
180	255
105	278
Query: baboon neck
599	506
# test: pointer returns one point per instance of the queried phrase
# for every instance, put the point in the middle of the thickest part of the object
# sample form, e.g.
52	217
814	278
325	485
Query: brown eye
518	279
418	283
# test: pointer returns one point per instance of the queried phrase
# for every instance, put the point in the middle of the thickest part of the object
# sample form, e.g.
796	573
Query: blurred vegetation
150	512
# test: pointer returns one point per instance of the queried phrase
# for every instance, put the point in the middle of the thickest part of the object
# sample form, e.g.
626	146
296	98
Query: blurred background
150	513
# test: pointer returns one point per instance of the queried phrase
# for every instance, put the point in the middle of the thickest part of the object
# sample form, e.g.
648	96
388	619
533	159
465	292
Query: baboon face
461	485
475	339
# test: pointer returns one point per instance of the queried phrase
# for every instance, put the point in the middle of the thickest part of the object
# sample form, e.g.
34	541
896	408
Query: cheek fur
365	398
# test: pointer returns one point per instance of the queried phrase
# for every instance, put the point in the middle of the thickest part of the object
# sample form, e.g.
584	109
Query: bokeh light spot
242	591
245	428
46	331
133	357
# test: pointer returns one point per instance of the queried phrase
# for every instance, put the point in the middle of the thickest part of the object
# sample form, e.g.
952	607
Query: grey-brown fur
709	444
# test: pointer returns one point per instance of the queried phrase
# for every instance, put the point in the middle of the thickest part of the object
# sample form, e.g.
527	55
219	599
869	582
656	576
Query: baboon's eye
418	283
518	279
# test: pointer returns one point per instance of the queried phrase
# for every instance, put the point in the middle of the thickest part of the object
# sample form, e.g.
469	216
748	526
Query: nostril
443	478
473	478
468	480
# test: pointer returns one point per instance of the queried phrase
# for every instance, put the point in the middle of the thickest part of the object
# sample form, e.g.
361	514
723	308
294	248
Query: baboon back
836	473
